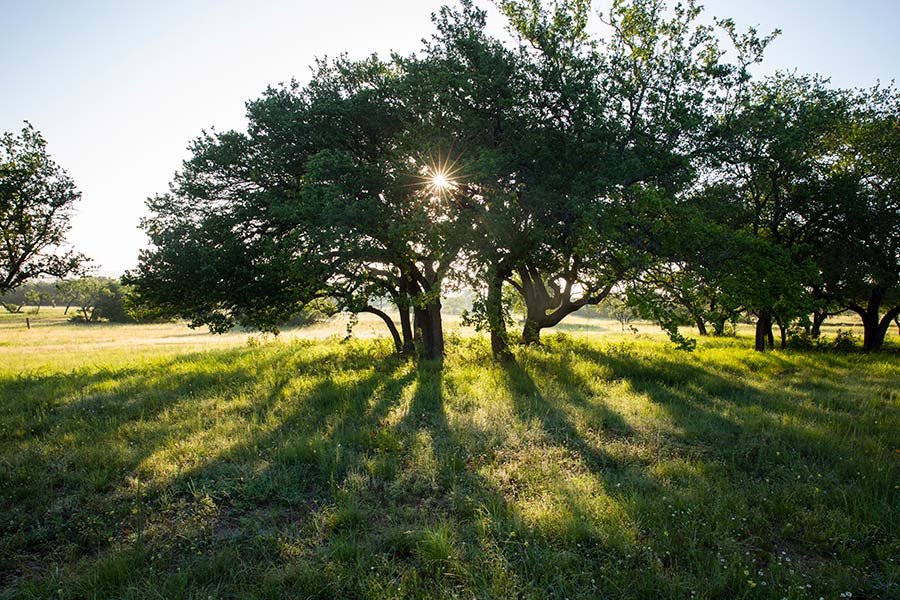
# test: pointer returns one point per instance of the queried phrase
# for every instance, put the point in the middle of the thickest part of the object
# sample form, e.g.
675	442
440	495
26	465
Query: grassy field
157	462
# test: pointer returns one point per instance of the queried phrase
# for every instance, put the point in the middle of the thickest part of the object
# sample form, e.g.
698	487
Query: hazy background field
52	340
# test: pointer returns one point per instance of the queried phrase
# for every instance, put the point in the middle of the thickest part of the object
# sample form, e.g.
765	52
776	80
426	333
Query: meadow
153	461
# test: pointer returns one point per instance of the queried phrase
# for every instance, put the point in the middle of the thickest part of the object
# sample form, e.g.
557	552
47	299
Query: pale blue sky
120	88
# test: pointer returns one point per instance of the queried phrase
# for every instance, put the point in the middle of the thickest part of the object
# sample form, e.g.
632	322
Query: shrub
845	340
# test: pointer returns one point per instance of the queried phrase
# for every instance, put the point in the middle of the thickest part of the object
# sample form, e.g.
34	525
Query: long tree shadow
619	477
340	462
694	395
742	431
54	499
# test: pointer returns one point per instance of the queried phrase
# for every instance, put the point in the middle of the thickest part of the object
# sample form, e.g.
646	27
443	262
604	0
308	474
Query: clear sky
120	88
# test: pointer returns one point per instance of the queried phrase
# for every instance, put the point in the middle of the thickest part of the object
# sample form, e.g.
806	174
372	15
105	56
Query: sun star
439	181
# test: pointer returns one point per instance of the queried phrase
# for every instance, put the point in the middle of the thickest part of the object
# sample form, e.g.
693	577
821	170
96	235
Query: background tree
36	202
612	133
99	299
775	181
37	298
860	252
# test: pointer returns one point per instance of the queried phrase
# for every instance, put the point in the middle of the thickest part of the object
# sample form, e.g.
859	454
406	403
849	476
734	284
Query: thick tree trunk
875	329
429	331
818	319
436	324
701	326
535	314
763	331
537	302
872	341
409	344
495	317
531	332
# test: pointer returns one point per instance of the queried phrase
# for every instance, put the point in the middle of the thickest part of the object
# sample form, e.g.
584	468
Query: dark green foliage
324	197
647	164
860	254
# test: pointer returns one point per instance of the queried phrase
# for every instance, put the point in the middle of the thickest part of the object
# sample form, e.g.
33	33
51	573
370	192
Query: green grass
586	469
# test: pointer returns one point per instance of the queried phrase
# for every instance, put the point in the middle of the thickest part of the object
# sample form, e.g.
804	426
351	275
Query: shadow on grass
331	471
75	446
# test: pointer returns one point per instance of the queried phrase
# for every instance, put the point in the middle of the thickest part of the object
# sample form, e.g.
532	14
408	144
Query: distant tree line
555	170
85	300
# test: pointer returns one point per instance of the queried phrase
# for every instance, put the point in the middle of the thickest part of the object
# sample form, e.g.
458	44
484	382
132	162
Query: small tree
97	298
37	298
621	311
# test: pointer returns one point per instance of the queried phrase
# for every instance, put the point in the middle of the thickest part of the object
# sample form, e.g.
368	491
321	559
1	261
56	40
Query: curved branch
398	344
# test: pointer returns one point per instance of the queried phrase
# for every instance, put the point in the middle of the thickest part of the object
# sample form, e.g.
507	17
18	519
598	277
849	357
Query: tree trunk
535	313
885	323
701	326
409	344
495	317
536	302
875	329
872	342
429	330
718	327
783	331
763	330
546	308
435	322
818	319
422	332
531	332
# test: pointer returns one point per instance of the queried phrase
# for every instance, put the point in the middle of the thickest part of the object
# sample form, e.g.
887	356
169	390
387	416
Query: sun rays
440	176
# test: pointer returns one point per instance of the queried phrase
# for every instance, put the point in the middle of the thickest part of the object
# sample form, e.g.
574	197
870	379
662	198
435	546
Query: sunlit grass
611	467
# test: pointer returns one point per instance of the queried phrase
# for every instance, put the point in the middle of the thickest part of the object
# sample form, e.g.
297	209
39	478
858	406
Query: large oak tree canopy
325	196
647	163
